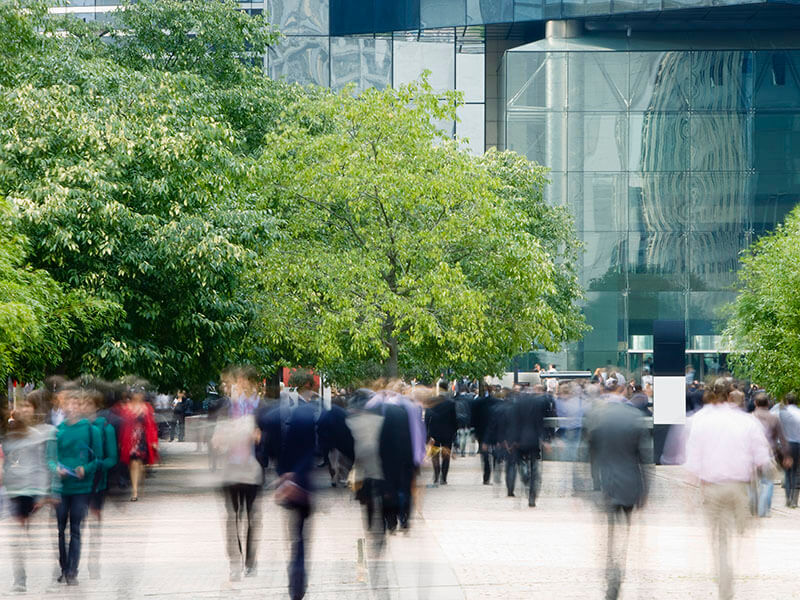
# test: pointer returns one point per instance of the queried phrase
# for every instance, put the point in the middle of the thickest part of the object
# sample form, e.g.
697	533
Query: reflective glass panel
660	81
721	142
598	201
657	261
714	258
777	80
721	201
777	141
470	76
411	58
605	312
598	81
365	62
658	201
597	142
555	193
489	11
776	194
442	13
300	17
301	59
659	141
528	10
722	80
539	136
603	261
646	307
706	312
536	80
471	126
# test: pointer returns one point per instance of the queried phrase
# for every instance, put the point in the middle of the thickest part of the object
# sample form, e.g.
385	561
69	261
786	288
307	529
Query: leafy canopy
132	185
405	254
765	318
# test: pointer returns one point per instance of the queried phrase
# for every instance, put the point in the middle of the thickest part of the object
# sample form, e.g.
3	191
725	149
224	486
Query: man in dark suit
480	415
618	438
528	430
441	424
290	442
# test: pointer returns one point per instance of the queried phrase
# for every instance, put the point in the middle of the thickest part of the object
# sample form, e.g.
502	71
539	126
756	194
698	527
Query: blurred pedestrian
78	447
441	425
106	461
780	452
618	438
138	444
724	448
28	449
789	414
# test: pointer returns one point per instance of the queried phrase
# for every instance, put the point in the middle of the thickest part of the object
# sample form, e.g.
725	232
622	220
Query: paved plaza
467	541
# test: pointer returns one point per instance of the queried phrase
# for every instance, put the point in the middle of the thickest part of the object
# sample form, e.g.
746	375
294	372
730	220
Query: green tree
403	253
764	321
133	187
214	39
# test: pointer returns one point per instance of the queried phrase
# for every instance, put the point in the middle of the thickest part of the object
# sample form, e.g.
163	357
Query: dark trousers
72	508
527	462
444	455
619	524
486	460
242	524
791	482
298	515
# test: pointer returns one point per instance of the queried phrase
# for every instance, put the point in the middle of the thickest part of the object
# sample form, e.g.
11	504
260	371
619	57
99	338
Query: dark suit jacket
290	440
440	421
528	421
618	440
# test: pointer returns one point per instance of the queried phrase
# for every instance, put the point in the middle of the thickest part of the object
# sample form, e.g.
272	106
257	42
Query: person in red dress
138	438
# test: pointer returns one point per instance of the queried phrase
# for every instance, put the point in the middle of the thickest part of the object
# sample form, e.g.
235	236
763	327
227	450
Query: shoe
62	578
444	482
235	575
532	503
250	572
19	588
511	495
134	498
72	581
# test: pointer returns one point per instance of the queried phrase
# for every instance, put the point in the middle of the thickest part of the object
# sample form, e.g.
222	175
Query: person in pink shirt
725	448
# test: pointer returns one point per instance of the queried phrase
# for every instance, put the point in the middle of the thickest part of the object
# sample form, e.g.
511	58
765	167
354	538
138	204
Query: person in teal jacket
79	451
94	400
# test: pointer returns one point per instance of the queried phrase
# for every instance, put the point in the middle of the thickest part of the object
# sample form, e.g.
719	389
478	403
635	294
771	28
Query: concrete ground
467	542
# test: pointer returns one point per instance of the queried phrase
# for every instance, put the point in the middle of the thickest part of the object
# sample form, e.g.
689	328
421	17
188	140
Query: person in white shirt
724	450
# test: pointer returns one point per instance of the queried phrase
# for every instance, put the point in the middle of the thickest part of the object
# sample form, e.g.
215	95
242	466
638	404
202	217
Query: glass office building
671	128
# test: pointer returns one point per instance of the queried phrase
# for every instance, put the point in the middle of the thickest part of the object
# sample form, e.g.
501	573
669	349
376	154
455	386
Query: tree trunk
390	367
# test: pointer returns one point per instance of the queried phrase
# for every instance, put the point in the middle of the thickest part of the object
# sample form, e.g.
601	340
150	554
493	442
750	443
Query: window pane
366	62
539	136
603	261
715	258
660	81
293	17
598	201
442	13
536	80
470	76
659	141
777	84
598	81
411	58
657	261
722	80
658	202
721	201
722	142
646	307
471	126
597	142
301	59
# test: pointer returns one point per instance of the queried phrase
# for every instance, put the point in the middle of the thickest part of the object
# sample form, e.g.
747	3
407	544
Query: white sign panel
669	400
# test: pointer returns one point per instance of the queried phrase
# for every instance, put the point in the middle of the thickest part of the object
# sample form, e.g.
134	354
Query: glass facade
671	160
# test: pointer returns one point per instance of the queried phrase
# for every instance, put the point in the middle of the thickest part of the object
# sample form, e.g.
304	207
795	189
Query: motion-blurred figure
78	447
291	436
106	461
28	449
780	451
618	437
235	439
138	445
789	414
528	432
441	424
480	413
724	447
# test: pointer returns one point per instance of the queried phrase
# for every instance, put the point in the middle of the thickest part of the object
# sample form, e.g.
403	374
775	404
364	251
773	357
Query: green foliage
765	319
405	251
210	38
134	189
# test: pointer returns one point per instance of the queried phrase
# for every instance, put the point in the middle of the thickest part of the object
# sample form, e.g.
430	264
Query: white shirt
725	444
